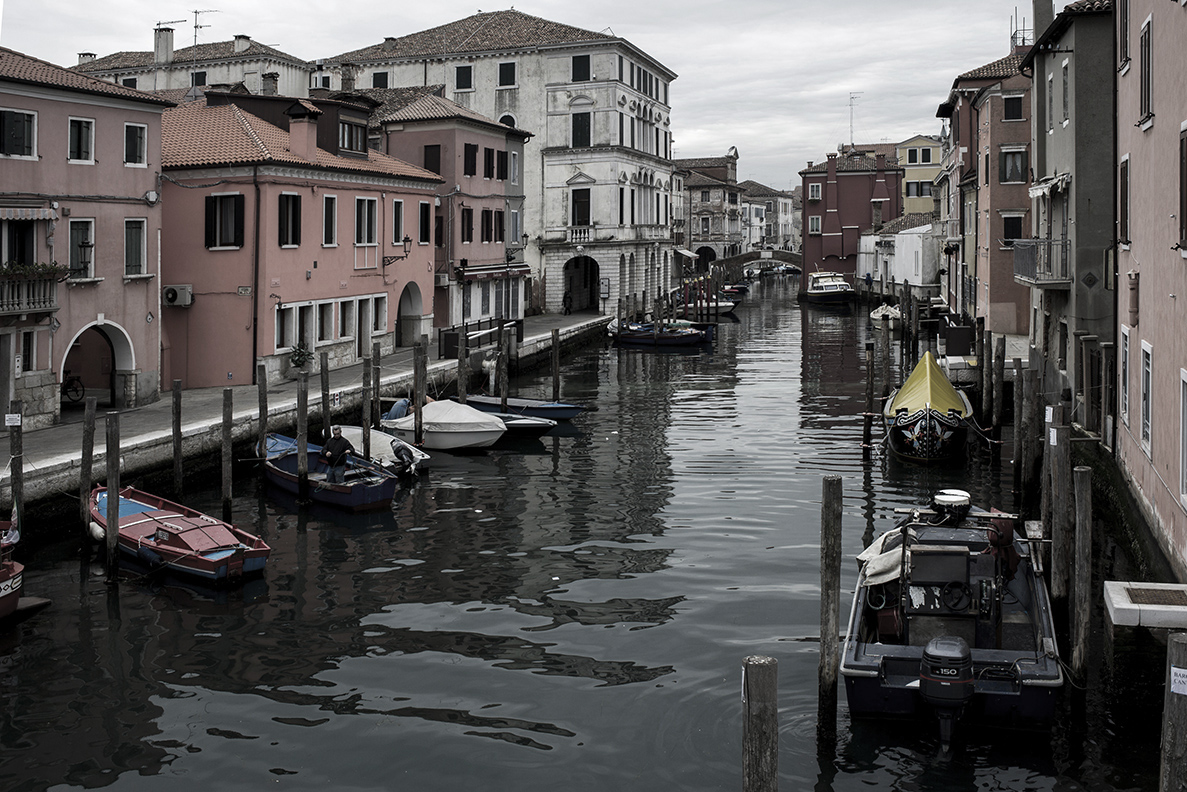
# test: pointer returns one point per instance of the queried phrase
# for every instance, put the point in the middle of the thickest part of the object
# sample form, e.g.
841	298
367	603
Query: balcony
584	235
27	295
1042	263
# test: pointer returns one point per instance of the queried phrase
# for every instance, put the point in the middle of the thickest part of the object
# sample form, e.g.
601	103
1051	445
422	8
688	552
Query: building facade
715	200
80	235
598	173
919	157
778	231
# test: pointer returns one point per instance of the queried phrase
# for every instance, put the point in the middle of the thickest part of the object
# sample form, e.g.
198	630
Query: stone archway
579	280
705	256
410	322
102	356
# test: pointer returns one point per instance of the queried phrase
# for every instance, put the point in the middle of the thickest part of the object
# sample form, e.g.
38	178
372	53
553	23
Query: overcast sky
772	77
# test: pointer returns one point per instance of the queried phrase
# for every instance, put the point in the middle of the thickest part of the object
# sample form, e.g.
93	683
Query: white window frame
514	167
321	321
143	263
398	222
814	190
220	229
89	222
516	231
814	225
1007	151
33	114
28	362
1147	373
370	232
378	314
499	75
347	311
329	229
1124	375
285	318
143	162
91	126
294	222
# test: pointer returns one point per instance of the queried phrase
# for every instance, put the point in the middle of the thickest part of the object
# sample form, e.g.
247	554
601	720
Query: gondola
927	419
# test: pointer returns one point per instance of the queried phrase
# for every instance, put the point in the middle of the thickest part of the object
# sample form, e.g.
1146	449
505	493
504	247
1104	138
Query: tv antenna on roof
852	103
170	22
196	25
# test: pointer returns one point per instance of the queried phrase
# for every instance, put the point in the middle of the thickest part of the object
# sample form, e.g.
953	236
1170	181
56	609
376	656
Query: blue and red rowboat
367	484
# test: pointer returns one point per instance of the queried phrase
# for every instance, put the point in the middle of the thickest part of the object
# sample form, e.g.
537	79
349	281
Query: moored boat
11	574
163	534
886	314
448	426
535	408
927	419
390	451
367	484
828	287
951	616
657	335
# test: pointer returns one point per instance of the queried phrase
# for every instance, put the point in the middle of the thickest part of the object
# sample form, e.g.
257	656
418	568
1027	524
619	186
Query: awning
27	213
1050	184
684	252
489	271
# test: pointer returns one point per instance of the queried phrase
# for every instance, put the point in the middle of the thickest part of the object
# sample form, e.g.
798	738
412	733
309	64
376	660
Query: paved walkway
52	456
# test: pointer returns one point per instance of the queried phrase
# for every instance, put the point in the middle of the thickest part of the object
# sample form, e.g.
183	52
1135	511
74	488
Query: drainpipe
1116	282
255	277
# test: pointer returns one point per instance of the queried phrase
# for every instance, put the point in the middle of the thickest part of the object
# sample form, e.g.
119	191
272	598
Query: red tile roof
15	67
201	53
482	32
758	189
420	103
999	69
195	136
853	162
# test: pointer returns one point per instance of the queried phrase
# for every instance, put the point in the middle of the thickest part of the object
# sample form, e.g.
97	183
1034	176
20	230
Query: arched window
507	120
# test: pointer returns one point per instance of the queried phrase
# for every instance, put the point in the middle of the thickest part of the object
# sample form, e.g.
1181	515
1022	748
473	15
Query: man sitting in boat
334	453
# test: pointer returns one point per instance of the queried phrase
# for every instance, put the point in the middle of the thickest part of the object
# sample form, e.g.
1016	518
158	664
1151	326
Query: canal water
567	614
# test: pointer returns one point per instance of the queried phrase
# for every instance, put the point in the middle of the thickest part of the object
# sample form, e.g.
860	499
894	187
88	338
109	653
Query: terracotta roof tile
704	162
852	162
1088	6
999	69
908	221
698	179
482	32
195	135
420	103
213	51
16	67
761	190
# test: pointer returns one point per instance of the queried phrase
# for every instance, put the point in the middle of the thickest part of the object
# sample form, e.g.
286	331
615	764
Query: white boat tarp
882	561
449	416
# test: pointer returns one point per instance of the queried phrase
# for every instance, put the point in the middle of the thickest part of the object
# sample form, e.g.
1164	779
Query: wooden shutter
211	221
238	220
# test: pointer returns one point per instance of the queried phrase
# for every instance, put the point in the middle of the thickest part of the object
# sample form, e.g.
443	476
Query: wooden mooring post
986	374
376	386
830	584
303	436
113	496
420	376
178	475
365	417
999	394
463	367
327	413
262	394
1032	440
760	724
867	433
1061	510
227	447
979	352
86	479
556	364
1172	776
16	448
886	356
1018	437
1082	575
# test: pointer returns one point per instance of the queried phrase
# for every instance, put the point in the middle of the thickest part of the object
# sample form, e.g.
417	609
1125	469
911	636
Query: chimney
303	138
347	78
242	42
389	43
163	45
85	57
1044	15
270	84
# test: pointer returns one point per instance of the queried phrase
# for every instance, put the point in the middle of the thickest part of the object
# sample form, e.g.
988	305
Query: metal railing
19	295
1042	262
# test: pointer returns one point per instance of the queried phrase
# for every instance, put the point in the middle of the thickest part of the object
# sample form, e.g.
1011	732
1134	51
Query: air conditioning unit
442	279
181	294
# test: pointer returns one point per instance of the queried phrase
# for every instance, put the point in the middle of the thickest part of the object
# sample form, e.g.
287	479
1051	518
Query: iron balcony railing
28	295
1042	262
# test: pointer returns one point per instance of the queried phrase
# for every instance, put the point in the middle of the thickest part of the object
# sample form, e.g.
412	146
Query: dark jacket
336	449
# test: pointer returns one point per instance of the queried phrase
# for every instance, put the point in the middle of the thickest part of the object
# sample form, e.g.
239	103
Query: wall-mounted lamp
407	250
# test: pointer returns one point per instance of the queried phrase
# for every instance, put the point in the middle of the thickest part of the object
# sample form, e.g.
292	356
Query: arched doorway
102	357
705	256
579	280
409	324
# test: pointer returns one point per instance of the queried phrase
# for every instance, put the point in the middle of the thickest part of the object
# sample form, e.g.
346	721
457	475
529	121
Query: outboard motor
946	682
953	504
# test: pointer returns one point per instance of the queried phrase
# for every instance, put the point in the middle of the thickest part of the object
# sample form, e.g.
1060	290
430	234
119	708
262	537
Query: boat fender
97	531
148	556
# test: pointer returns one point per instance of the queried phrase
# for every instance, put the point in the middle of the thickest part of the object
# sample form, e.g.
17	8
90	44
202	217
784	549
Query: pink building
845	196
1151	435
80	220
285	233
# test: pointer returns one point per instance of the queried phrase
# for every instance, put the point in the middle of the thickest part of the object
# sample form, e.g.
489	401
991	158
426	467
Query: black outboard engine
946	681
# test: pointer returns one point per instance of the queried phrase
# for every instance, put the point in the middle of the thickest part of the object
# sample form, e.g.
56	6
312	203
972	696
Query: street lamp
85	249
407	250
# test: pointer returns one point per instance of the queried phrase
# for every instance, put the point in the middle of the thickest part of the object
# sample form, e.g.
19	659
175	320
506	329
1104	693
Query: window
488	163
128	82
814	224
704	225
352	137
426	223
1066	94
580	130
733	198
198	78
397	223
925	155
433	158
19	242
135	233
467	224
500	228
814	192
224	221
285	327
366	212
379	80
1011	229
82	140
1125	374
507	120
501	165
325	81
1123	31
17	133
470	159
912	156
580	68
135	144
1012	167
346	313
325	321
488	233
515	167
515	228
704	196
1123	203
506	75
1050	103
1147	382
463	78
329	221
1012	108
1144	54
82	252
581	206
1183	189
289	220
918	189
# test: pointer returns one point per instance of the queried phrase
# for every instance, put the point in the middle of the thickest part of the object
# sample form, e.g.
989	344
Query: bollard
16	445
1052	416
303	436
228	446
501	377
178	477
760	724
1172	776
556	364
1061	510
262	391
830	587
113	495
1082	576
86	480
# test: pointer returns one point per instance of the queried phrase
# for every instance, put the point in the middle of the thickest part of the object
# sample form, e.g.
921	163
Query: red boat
11	574
161	533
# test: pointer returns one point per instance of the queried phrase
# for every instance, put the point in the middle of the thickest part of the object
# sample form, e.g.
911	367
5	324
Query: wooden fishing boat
676	334
11	576
390	451
535	408
890	315
160	533
927	419
827	288
367	484
951	616
448	426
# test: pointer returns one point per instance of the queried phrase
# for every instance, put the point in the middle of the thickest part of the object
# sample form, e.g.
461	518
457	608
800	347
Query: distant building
283	234
903	255
260	68
714	207
597	174
919	157
80	224
779	215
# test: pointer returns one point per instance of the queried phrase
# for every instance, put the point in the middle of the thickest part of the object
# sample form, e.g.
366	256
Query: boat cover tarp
882	561
449	416
928	387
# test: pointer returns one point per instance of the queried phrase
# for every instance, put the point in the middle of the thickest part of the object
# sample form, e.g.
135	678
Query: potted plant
300	356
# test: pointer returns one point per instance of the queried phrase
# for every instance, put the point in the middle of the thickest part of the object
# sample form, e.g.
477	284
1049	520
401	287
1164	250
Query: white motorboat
448	425
389	450
890	313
